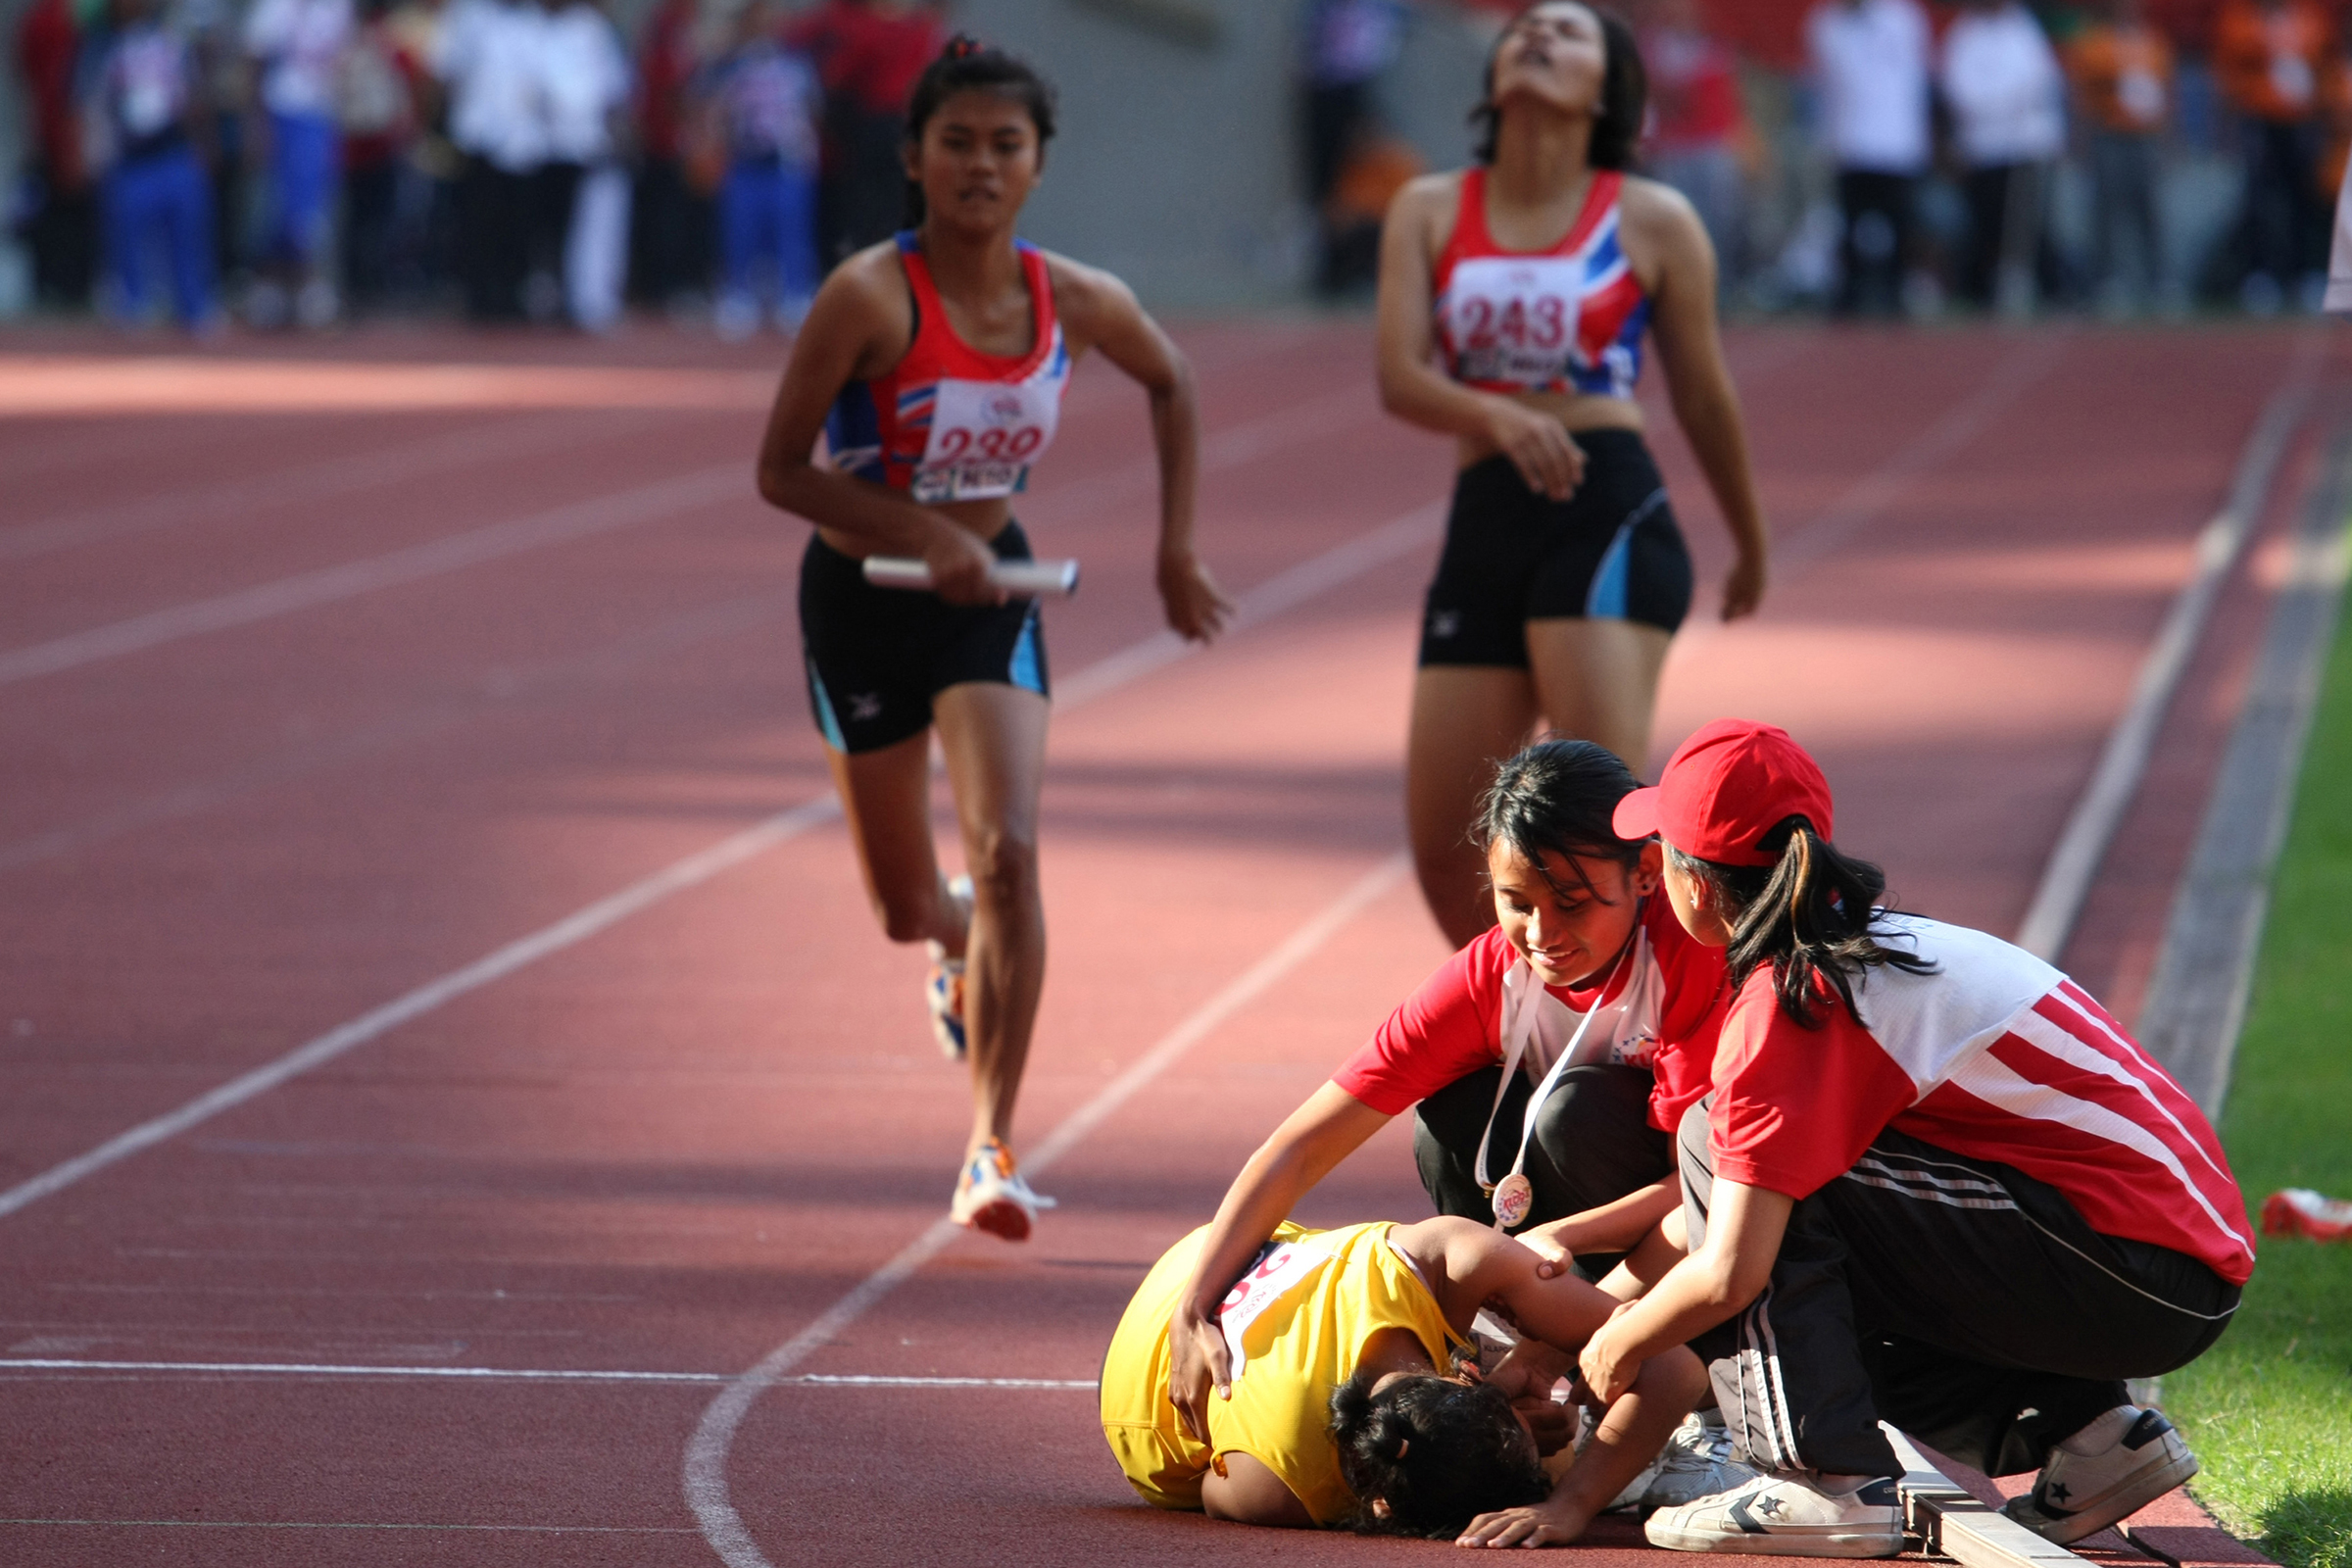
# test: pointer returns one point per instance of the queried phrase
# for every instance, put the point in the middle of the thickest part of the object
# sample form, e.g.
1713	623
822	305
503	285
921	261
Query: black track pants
1962	1301
1592	1145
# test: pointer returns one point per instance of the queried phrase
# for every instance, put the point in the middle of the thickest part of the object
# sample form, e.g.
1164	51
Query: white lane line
578	519
706	1467
331	1524
501	440
2073	863
504	1374
1277	594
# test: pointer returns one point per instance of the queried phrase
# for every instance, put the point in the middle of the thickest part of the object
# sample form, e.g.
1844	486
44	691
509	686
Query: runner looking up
934	366
1513	300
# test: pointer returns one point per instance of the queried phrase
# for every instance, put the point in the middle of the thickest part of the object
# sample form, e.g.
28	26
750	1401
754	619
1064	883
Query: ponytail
1808	915
1436	1452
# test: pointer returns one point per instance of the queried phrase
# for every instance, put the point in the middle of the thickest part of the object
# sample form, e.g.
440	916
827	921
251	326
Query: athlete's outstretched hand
1550	1523
1197	609
959	560
1539	446
1197	1363
1744	589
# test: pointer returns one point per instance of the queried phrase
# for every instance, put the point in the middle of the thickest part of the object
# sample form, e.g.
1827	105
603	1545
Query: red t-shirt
1996	1056
1454	1023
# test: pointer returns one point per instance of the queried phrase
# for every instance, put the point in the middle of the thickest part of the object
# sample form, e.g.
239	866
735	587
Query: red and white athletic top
948	423
1996	1056
1566	320
1460	1017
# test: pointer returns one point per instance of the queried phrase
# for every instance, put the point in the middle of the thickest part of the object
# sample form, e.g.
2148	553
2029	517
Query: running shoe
943	987
2300	1211
1699	1462
2080	1494
1784	1516
992	1197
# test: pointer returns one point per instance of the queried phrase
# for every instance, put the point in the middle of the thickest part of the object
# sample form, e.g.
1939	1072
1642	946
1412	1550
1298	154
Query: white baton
1058	577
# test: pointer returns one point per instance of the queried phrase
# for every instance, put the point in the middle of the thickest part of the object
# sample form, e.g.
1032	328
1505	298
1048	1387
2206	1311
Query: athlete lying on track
1352	1403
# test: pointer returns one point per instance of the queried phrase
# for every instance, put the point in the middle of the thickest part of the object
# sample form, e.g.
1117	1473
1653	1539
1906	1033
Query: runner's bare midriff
982	520
1581	411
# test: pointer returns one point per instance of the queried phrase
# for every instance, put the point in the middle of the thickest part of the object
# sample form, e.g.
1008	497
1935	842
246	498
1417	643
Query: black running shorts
876	657
1611	551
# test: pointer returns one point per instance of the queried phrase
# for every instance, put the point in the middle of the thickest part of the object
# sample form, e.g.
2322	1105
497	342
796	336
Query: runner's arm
1699	384
1102	311
849	336
1413	389
1729	1270
1332	1125
1613	1227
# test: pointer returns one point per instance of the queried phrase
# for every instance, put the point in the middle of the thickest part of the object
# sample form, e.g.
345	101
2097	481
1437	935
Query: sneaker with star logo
2080	1494
1784	1516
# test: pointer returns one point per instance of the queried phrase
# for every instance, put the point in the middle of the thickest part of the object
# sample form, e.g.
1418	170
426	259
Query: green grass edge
2269	1408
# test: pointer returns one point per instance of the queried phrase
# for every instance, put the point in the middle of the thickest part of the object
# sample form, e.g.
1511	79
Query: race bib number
984	435
1512	320
1278	1269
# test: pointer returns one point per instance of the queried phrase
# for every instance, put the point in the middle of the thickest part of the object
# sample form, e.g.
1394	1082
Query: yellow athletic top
1301	1314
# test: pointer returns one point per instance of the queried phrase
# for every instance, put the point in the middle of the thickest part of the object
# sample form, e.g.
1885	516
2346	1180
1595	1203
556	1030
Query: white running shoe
992	1197
2078	1495
1784	1516
943	987
1697	1463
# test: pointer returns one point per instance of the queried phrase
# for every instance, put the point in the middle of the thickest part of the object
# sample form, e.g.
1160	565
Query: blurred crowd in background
295	161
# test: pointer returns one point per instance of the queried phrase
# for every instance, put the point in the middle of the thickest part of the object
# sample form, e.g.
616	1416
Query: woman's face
1554	55
1567	931
978	161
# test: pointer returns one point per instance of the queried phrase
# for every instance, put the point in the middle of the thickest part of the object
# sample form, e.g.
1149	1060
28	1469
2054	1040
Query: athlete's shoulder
1429	196
1652	203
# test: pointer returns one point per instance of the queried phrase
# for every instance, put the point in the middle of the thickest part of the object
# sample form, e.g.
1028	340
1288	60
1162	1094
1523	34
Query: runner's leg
1466	717
1598	680
995	739
886	798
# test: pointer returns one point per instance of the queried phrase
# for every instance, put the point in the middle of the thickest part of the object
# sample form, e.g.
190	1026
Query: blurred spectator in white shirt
2001	80
1870	68
298	47
487	54
584	193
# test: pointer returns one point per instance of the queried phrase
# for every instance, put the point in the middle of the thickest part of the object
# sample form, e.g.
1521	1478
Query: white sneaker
1697	1463
943	987
2078	1495
992	1197
1784	1516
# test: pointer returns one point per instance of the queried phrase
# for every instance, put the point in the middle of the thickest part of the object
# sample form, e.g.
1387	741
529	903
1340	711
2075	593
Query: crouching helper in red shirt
1935	1182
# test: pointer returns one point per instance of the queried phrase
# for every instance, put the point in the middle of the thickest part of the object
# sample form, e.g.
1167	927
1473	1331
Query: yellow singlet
1318	1297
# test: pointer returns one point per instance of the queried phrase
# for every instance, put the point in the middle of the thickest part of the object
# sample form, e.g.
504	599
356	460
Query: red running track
324	683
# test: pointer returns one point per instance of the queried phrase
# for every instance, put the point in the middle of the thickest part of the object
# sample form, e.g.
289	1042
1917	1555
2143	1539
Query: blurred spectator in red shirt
867	54
671	246
61	228
2271	57
376	98
1699	137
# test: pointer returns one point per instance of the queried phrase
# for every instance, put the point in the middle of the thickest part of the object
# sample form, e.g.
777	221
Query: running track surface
332	668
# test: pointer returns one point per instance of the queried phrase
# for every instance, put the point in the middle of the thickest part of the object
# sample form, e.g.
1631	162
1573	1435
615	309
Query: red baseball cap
1724	789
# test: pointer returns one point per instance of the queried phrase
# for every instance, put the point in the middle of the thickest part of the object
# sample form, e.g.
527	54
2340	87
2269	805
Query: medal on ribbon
1514	1196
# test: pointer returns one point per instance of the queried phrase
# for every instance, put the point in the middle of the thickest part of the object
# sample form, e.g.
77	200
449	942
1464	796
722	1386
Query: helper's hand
1552	1424
1549	1241
1550	1523
1198	1362
959	560
1539	447
1197	609
1603	1365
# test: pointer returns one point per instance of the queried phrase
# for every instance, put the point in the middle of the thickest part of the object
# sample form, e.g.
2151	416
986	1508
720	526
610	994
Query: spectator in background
1698	139
764	105
668	257
143	131
1343	47
867	55
2270	56
2121	70
487	57
377	106
584	92
61	226
297	47
223	91
1870	68
2007	97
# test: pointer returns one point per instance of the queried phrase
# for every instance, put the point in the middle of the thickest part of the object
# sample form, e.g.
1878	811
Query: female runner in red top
934	365
1514	296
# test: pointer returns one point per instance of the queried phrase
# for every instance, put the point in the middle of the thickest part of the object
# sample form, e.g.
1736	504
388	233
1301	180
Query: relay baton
1058	577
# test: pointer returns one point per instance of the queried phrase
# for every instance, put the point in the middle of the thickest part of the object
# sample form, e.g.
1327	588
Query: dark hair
1558	796
1437	1453
967	65
1808	915
1624	93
